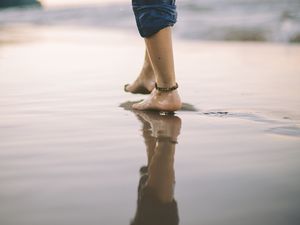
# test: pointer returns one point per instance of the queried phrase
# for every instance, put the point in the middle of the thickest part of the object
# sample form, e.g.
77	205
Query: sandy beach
71	155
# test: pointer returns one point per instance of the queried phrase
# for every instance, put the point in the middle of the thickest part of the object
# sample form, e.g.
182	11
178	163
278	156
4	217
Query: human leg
144	83
159	47
154	19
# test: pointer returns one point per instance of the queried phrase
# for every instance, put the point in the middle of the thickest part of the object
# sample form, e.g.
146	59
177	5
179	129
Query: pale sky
76	2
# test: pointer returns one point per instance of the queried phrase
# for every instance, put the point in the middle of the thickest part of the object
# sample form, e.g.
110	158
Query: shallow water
69	154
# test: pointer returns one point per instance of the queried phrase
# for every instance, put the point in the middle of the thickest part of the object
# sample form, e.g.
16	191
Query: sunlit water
69	154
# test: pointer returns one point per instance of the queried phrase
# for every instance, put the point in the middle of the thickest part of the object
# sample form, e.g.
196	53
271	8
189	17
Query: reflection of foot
167	126
142	85
160	101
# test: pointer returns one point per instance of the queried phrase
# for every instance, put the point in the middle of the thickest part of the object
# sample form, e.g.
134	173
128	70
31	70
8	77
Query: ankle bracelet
166	89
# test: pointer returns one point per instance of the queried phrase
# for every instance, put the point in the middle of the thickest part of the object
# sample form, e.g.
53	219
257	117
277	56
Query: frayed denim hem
153	15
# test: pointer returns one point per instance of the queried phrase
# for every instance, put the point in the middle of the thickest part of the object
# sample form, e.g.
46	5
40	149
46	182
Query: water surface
69	154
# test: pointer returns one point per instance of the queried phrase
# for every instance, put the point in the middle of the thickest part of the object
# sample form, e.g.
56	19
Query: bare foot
160	101
142	85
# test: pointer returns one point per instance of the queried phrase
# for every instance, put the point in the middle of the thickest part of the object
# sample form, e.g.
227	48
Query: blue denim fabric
153	15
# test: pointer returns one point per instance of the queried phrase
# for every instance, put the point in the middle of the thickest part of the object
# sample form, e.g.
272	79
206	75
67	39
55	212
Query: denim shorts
153	15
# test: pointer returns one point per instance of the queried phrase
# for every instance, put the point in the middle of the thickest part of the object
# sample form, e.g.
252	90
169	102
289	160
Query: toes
137	88
137	106
125	87
142	105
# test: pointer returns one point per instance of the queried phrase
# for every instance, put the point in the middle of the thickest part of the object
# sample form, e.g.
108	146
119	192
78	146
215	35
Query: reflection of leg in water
149	139
156	204
161	171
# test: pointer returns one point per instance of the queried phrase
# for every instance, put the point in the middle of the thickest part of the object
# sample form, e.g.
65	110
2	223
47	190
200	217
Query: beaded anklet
166	89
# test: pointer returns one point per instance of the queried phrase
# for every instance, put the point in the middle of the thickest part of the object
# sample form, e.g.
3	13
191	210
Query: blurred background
229	20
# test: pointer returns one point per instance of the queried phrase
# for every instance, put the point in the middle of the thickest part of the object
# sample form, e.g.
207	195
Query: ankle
166	88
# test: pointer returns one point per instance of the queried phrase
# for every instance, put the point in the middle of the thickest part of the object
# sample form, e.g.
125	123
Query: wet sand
71	150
